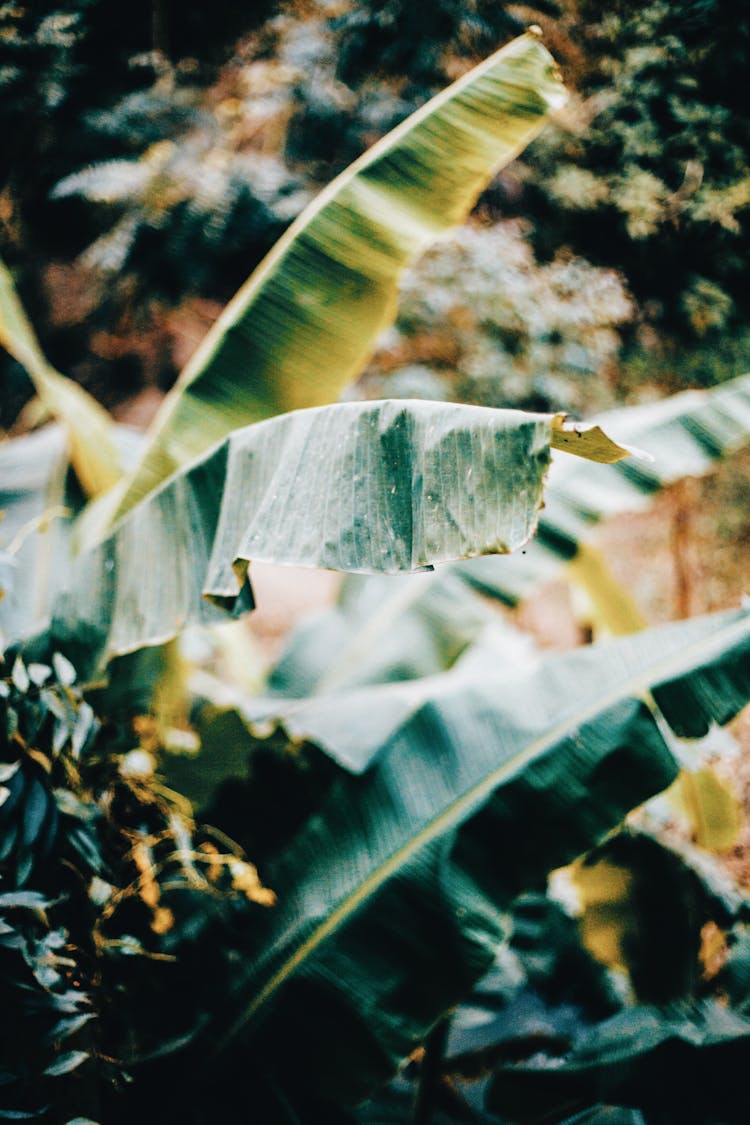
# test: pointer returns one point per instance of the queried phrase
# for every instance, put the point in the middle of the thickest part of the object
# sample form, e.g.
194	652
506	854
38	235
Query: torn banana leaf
382	487
685	435
305	322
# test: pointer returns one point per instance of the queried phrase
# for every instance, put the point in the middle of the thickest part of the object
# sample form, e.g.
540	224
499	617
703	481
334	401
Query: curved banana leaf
383	486
688	1061
38	505
355	643
392	896
304	323
33	535
355	726
686	434
93	450
387	629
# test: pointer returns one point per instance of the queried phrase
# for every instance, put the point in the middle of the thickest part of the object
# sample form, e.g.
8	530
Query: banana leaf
355	726
354	643
39	501
388	629
392	897
33	533
686	434
89	429
305	322
384	486
688	1061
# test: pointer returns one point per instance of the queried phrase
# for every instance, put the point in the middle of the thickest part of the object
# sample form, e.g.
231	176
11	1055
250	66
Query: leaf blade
356	486
469	770
88	426
305	321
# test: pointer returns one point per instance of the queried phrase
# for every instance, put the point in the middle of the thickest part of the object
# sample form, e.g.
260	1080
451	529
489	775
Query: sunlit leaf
686	435
306	320
365	487
89	431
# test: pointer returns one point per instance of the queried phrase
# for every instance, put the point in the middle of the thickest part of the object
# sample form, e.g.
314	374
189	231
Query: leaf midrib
454	813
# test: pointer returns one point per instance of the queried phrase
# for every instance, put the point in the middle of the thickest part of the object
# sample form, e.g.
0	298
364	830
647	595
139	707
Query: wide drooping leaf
89	430
354	643
356	725
39	500
304	323
688	1061
686	435
383	487
34	548
392	897
387	629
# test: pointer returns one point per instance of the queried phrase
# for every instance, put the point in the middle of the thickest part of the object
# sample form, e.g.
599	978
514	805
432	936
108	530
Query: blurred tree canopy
165	147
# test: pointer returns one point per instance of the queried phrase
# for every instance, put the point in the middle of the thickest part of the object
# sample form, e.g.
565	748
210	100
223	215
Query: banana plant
393	894
327	289
351	644
358	486
388	893
685	435
88	428
305	322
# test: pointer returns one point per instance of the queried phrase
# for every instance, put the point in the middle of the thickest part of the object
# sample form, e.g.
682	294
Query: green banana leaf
354	643
93	450
392	896
688	1061
355	725
39	502
387	629
546	990
33	536
305	322
686	435
384	486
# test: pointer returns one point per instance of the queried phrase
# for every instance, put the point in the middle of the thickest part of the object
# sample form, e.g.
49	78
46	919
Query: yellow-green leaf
711	806
305	322
88	427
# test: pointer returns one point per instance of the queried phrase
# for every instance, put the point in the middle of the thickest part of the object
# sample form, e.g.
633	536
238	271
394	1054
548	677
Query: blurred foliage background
163	154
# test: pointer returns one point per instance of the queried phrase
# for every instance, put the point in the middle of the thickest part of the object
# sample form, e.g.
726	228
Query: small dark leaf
66	1063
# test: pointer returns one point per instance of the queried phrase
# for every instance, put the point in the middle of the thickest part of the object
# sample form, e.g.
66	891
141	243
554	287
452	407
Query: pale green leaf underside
534	767
305	322
33	538
374	487
355	726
